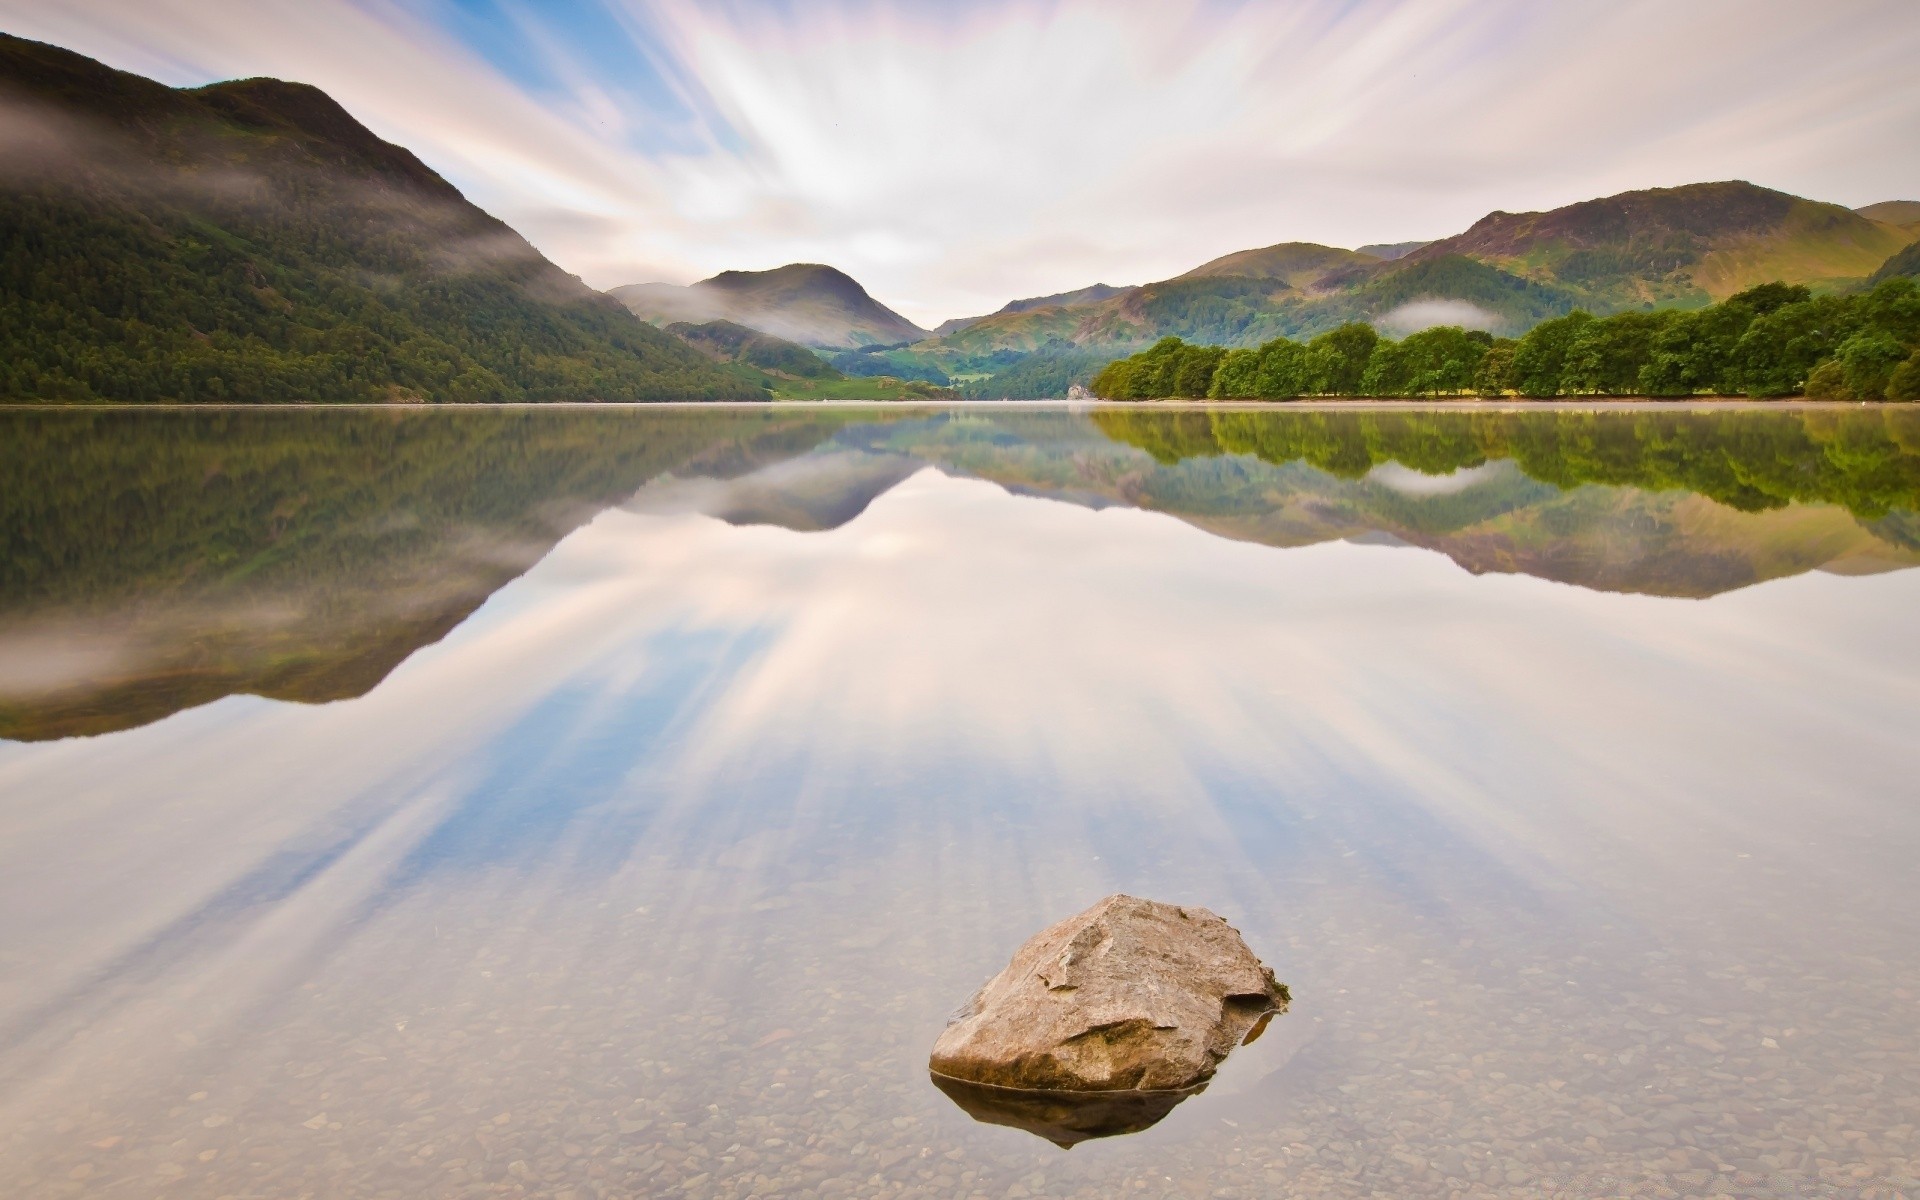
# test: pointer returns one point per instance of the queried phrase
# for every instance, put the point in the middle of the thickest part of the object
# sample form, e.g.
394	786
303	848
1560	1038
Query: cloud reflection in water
786	777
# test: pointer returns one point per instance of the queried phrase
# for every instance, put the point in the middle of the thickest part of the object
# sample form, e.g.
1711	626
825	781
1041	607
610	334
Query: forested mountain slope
252	241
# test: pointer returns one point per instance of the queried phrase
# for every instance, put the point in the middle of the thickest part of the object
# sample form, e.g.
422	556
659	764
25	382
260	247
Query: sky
952	156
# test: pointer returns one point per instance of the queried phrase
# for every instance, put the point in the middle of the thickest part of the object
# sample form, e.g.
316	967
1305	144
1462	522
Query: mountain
1904	213
1244	310
981	339
1683	245
1297	264
808	303
1075	299
252	241
1292	290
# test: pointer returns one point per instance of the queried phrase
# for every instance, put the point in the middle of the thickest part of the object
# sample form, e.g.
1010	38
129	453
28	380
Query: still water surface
614	803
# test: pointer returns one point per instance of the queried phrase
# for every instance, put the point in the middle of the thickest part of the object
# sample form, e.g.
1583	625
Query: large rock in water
1102	1023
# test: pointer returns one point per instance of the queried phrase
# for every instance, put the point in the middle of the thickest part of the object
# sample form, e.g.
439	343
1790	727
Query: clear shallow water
616	803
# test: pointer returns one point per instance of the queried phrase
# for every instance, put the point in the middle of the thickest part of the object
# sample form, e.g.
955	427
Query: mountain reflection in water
654	867
157	561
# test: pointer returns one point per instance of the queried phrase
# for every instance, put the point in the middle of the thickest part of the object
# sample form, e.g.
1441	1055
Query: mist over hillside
808	303
252	241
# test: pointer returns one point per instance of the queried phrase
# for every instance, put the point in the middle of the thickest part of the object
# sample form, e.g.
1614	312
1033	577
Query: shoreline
1319	404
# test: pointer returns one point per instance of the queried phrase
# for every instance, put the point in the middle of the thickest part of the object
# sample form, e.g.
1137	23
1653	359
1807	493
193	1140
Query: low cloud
1426	314
40	145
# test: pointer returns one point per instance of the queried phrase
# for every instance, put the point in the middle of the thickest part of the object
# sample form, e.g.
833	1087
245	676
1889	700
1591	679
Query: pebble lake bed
658	867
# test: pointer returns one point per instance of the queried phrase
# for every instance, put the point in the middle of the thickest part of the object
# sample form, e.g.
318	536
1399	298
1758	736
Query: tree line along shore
1771	341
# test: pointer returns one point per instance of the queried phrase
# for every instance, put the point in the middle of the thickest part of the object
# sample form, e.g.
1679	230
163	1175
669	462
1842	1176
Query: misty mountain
252	241
807	303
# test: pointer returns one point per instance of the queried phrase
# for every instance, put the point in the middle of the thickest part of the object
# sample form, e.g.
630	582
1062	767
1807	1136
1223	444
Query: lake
608	802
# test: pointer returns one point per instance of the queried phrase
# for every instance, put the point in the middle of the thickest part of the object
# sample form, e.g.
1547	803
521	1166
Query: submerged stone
1104	1022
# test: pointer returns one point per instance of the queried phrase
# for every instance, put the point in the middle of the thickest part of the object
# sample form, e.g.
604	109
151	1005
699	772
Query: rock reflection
1106	1020
1064	1118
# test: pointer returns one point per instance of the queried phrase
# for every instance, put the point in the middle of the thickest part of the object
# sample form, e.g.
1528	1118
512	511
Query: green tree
1284	370
1193	368
1388	371
1540	360
1494	376
1781	348
1867	361
1769	297
1337	360
1609	354
1441	361
1238	376
1904	383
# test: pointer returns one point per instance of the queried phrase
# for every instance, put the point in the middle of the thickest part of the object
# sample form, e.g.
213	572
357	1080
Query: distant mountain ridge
1679	245
1392	250
1297	264
1074	299
1904	213
808	303
252	241
1662	247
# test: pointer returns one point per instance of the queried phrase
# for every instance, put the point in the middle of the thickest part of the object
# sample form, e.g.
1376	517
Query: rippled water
612	803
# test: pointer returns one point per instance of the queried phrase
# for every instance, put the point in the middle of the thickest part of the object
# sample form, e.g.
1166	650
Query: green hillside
1047	374
1904	264
251	241
725	341
1028	329
1904	213
1078	298
1297	264
785	370
1679	246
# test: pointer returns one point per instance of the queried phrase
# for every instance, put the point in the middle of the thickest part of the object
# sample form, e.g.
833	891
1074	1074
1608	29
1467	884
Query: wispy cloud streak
952	156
